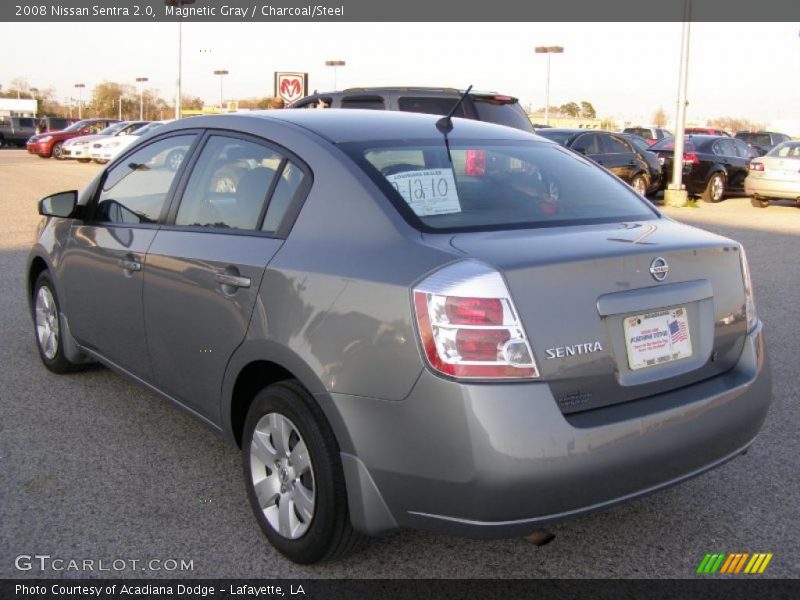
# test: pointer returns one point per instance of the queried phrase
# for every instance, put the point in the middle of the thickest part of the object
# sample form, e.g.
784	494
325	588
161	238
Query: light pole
140	81
548	50
80	87
179	4
675	194
221	73
335	64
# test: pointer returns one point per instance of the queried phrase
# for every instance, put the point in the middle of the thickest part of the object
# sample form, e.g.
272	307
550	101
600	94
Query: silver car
775	176
405	320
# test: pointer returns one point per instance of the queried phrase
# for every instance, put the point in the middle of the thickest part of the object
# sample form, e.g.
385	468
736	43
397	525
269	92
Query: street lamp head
221	72
141	79
80	85
549	49
334	63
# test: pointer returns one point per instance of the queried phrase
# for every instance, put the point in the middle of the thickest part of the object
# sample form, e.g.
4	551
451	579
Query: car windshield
146	129
557	136
112	129
495	185
786	150
502	112
76	126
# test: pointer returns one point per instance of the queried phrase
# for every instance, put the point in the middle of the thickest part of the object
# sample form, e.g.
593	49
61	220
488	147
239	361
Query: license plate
657	338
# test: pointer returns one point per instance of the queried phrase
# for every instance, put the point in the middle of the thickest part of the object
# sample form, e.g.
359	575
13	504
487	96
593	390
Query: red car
50	144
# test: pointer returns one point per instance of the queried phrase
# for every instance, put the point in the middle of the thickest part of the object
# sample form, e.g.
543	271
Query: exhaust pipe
540	537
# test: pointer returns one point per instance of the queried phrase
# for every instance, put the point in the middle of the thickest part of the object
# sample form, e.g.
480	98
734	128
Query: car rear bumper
497	460
770	188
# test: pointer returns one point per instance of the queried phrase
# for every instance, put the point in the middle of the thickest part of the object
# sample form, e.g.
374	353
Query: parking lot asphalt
94	467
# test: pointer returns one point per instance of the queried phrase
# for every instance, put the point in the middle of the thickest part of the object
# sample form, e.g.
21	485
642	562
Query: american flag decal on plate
677	330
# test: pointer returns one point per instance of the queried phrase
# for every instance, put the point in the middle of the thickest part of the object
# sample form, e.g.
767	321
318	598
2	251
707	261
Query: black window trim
292	211
91	207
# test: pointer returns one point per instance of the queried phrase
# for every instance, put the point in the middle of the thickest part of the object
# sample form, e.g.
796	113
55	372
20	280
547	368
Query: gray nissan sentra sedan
404	321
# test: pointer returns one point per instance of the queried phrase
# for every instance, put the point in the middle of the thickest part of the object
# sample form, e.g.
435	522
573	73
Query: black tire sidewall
57	150
290	401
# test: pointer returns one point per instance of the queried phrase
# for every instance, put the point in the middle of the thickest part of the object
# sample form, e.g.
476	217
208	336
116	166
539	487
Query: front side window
495	185
229	184
135	190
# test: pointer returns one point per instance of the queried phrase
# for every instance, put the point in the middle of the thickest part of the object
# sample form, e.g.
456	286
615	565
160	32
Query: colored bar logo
734	564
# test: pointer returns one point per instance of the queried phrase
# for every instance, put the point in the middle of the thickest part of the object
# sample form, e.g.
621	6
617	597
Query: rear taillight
756	166
652	141
503	98
469	327
749	299
689	158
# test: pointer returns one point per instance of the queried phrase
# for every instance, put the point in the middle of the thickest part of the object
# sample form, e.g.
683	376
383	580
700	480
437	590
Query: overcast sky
749	70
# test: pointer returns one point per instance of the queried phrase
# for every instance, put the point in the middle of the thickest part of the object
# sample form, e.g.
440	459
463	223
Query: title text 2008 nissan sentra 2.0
405	320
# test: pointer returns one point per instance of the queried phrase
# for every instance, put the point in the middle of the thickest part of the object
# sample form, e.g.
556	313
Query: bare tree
660	117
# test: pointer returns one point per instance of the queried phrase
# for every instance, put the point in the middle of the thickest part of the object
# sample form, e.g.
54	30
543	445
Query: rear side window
588	144
495	185
786	150
290	181
502	112
429	106
724	147
614	145
229	184
365	102
135	190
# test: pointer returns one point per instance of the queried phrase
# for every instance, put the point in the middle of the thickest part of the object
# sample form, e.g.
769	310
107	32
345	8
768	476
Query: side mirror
59	205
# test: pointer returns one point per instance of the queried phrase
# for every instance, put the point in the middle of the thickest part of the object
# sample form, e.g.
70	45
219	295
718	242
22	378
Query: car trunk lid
576	286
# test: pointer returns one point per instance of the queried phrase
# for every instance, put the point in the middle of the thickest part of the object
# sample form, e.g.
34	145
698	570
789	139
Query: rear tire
47	327
715	188
100	161
288	425
758	202
639	183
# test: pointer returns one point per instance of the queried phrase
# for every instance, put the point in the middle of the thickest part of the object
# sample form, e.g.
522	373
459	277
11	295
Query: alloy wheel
282	475
47	329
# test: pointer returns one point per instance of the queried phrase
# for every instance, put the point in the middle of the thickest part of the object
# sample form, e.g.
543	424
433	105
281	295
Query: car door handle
237	281
130	265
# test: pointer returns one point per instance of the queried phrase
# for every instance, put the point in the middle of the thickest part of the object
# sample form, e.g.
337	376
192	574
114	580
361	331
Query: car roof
352	125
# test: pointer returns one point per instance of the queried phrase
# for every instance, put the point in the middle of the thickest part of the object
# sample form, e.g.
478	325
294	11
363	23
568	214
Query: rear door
104	264
619	157
205	265
735	161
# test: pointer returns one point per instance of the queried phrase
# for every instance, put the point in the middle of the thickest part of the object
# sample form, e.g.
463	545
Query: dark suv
14	131
762	141
481	106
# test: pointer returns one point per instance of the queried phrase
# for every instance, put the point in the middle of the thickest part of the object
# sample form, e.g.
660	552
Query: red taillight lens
652	140
690	158
481	344
754	166
476	163
474	311
468	325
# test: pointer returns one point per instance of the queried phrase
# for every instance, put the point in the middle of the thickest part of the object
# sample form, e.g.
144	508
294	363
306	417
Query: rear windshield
495	185
755	138
557	136
669	144
502	112
786	150
430	106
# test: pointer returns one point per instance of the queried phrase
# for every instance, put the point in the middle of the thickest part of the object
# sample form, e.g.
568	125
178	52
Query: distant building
24	107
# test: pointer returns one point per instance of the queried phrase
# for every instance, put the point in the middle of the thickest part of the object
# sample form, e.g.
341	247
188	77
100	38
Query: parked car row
15	131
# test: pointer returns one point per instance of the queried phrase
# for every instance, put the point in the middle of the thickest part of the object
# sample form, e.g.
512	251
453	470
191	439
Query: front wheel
47	326
294	476
58	151
715	189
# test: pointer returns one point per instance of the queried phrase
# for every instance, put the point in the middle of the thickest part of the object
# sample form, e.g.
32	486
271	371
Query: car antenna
445	124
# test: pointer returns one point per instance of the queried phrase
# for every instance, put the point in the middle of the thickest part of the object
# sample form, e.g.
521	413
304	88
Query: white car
78	148
775	176
104	150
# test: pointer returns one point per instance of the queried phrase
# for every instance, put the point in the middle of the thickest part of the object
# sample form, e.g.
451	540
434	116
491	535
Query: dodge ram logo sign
291	86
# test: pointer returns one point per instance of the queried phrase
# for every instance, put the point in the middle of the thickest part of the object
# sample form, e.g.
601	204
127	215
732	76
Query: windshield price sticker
428	192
